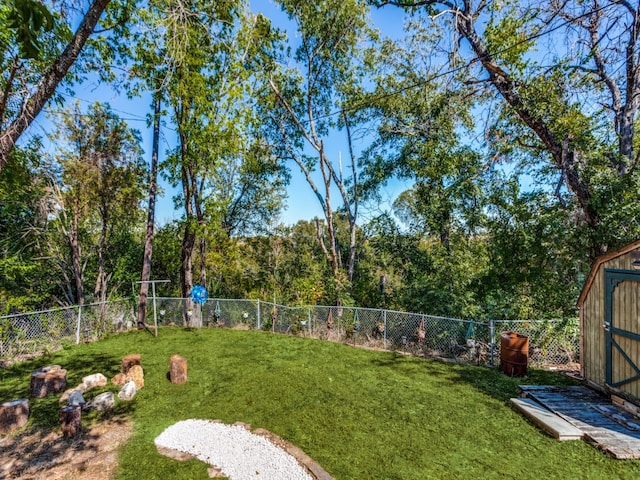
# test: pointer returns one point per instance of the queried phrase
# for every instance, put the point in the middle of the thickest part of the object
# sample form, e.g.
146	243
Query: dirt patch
46	454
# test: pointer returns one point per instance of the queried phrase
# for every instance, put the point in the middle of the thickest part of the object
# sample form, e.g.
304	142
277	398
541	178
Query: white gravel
239	453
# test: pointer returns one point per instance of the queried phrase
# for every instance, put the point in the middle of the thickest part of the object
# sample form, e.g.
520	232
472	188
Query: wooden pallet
547	420
604	424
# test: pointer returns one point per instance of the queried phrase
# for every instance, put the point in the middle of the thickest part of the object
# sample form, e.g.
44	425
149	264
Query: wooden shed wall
592	317
592	353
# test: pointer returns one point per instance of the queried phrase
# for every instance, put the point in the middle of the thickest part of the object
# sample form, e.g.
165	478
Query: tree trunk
47	381
326	170
203	262
71	420
177	369
188	244
74	246
14	414
186	271
561	151
50	80
352	212
100	291
153	187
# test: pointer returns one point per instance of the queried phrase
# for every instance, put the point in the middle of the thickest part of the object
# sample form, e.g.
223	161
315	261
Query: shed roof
598	263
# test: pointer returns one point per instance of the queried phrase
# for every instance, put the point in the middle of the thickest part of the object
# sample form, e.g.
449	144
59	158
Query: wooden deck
608	426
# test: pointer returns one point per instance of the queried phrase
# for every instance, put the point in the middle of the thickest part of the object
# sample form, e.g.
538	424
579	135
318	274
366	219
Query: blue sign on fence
199	294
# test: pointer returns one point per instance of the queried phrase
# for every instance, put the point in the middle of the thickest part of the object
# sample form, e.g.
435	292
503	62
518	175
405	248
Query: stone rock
136	375
129	361
95	380
103	402
128	391
175	454
13	414
177	369
76	398
64	398
120	379
215	472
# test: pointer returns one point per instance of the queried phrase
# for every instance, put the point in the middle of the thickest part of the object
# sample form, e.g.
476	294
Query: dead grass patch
46	454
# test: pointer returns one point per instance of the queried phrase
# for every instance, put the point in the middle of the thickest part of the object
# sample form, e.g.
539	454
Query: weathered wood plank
547	420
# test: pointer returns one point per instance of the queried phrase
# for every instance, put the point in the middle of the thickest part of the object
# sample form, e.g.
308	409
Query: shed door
622	326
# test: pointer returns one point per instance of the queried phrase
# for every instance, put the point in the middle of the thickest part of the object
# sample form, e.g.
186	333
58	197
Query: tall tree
218	162
421	136
545	114
332	58
151	211
100	186
31	74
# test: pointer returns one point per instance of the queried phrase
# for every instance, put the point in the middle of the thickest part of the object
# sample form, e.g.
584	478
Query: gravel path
240	454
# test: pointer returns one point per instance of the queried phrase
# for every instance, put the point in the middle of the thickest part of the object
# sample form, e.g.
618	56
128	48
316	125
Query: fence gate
622	329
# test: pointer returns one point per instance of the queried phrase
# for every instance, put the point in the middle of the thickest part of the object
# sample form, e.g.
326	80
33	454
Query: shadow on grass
496	384
30	452
44	411
490	381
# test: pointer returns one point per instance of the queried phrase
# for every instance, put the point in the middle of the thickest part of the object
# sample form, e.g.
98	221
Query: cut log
13	414
71	420
45	382
178	369
129	361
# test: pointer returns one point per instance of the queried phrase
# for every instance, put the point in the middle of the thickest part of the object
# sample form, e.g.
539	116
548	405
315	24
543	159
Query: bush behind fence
35	333
552	343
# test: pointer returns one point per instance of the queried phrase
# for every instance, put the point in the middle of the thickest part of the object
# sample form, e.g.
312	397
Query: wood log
129	361
178	369
71	420
46	381
13	414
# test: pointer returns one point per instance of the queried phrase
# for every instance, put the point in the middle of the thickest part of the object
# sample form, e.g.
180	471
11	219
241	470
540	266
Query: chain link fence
552	343
24	335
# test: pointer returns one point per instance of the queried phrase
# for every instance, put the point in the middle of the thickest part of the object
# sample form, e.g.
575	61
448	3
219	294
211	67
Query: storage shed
610	322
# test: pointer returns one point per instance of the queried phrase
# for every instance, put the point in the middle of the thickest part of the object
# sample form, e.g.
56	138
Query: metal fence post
384	316
78	326
259	326
492	345
561	351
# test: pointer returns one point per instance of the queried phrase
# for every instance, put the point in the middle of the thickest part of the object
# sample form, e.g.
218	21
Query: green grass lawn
360	414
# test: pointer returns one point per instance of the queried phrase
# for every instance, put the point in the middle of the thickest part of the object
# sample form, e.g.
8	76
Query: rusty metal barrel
514	354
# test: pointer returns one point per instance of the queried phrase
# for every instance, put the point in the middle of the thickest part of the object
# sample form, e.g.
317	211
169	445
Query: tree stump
71	420
13	414
178	369
48	380
129	361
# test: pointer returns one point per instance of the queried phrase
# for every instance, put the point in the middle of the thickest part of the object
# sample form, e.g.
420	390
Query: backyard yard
360	414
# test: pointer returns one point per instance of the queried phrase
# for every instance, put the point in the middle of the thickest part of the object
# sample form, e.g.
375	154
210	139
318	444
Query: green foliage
28	18
21	288
509	31
25	282
97	194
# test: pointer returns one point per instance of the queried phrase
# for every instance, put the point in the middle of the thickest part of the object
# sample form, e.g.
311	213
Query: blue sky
301	203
